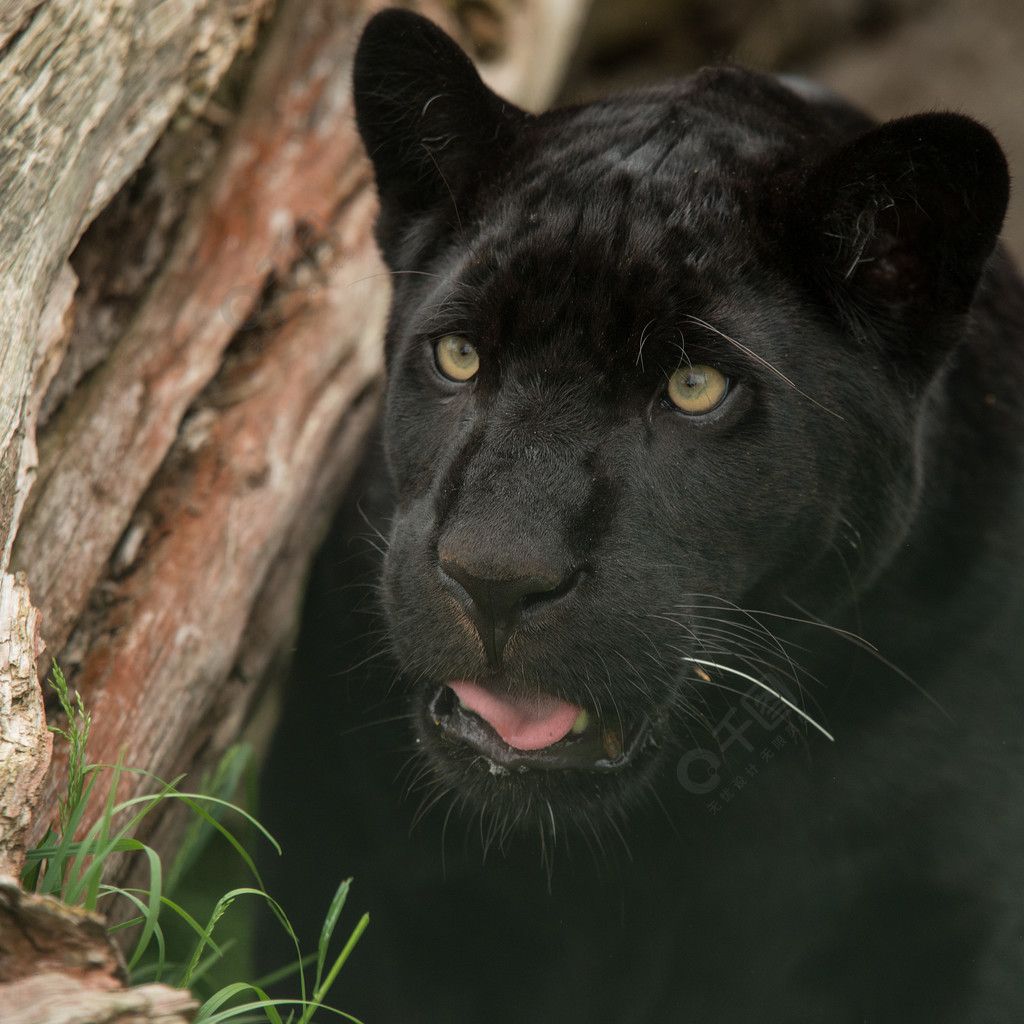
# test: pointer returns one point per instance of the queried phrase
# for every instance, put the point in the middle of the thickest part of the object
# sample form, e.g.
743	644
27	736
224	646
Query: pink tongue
523	724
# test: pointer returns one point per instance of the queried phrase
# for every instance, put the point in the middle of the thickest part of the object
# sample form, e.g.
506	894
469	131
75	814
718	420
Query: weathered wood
289	159
58	999
58	965
24	739
86	86
39	935
288	203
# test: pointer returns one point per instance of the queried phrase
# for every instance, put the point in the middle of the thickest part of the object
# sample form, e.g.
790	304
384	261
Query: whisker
860	642
774	643
762	361
643	341
764	686
390	273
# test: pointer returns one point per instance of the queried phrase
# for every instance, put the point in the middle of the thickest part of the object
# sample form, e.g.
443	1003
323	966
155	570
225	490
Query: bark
59	966
85	89
202	371
24	740
39	935
58	999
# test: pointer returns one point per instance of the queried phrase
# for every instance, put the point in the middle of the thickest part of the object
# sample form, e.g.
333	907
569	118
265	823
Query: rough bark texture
39	935
217	450
24	740
59	966
58	999
85	89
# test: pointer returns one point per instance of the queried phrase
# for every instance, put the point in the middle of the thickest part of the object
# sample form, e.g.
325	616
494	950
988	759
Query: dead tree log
58	965
85	89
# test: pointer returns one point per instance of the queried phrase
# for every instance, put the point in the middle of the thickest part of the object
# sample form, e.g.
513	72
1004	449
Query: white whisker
707	663
764	362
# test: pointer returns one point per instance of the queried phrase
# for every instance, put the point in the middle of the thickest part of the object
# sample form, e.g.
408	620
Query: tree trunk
192	306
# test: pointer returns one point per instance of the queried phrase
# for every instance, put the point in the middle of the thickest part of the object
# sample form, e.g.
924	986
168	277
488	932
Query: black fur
845	528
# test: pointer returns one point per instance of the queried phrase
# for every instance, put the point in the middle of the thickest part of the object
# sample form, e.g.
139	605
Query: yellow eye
697	389
456	357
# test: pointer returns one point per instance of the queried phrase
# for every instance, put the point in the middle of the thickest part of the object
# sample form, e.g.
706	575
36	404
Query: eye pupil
457	357
697	389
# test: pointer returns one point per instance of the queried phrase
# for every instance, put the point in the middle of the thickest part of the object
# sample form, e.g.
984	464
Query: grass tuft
72	870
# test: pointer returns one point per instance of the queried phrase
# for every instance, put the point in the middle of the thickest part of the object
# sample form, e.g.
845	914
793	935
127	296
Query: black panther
686	683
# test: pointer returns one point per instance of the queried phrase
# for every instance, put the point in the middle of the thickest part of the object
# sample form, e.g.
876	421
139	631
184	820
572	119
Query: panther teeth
581	723
612	743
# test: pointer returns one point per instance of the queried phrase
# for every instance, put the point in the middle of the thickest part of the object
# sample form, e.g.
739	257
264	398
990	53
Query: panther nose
498	598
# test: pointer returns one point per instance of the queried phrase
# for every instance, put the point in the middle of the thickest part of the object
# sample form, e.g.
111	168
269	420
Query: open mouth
541	732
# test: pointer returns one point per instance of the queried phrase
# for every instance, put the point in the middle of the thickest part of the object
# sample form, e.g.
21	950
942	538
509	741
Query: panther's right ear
433	130
905	216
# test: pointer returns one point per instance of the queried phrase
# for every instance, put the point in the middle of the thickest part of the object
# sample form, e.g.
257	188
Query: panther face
659	372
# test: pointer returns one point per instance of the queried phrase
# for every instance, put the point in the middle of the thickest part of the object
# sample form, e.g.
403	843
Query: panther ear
906	215
433	130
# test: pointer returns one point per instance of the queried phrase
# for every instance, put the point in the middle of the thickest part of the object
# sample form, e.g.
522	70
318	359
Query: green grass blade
271	979
100	842
153	905
321	993
152	923
161	966
267	1006
207	1013
300	961
149	801
169	790
185	916
207	963
76	736
89	883
234	764
330	922
60	864
84	888
31	874
206	938
191	801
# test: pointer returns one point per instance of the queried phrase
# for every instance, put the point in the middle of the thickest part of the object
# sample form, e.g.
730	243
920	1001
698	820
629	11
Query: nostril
497	584
549	593
502	599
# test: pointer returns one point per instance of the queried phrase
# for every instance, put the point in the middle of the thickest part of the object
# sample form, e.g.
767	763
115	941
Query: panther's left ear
433	130
905	216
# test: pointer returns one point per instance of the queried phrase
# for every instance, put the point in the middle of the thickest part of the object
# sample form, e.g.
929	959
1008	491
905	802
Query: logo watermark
749	738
